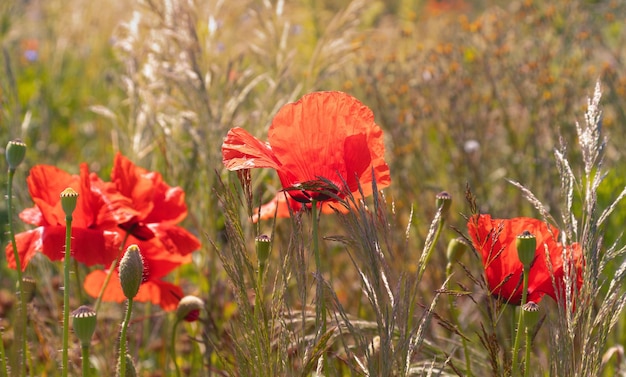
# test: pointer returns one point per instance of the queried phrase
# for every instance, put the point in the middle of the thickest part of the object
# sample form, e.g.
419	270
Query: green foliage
472	95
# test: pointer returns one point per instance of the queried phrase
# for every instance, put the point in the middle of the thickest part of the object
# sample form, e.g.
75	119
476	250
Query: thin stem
21	318
320	312
454	311
173	348
528	348
66	293
122	362
3	370
520	323
85	356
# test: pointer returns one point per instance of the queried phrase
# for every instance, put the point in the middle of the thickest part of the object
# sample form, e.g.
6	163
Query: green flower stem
66	293
520	323
109	273
320	312
173	347
454	311
3	360
21	318
122	363
528	348
85	356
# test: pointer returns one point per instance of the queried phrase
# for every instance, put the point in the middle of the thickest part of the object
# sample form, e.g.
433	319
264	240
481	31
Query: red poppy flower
157	264
495	240
324	136
94	236
152	209
283	205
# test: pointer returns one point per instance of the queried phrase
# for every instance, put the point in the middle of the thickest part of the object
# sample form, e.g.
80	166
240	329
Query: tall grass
475	95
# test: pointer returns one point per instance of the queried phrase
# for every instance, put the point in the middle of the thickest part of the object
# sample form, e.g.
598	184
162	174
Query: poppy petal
330	135
45	184
175	239
28	244
89	246
32	216
241	150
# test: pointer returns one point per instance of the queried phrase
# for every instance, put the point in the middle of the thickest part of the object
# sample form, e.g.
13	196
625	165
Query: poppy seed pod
84	324
69	197
189	308
15	153
131	271
444	201
526	245
531	310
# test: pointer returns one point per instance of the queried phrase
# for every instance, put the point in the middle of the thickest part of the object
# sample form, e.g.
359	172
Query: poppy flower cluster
325	143
494	240
135	207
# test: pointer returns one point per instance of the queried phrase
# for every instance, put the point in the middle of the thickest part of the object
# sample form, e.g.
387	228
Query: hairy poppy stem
520	323
21	318
527	357
122	361
3	362
66	292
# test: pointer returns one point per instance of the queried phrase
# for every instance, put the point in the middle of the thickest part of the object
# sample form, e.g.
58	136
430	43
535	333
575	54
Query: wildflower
325	143
495	241
94	236
158	263
152	208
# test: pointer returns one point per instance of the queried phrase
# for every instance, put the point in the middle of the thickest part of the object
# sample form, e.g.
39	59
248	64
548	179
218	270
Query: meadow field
434	169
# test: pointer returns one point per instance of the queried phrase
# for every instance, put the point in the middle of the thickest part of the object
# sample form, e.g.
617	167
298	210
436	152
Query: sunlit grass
473	95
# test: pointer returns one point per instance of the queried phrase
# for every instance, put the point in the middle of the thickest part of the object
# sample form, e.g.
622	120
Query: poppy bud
263	245
15	152
526	245
131	271
69	197
84	324
444	201
189	308
456	249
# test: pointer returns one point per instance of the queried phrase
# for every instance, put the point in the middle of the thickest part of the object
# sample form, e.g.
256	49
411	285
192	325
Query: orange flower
152	208
94	236
495	240
323	137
